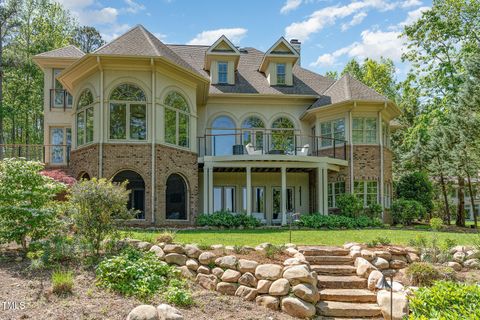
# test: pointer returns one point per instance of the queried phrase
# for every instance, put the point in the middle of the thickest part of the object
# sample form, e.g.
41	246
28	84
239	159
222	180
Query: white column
284	196
205	189
350	142
249	190
325	190
382	178
152	137
101	127
319	190
210	190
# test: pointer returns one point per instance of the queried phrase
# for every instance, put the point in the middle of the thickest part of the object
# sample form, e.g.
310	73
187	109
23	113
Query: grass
303	237
62	282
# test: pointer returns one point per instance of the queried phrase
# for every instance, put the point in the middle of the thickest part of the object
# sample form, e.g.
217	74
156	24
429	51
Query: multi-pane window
61	98
223	72
252	132
258	201
281	73
386	135
283	135
366	191
177	120
330	130
128	113
364	130
224	199
60	141
335	189
85	118
387	194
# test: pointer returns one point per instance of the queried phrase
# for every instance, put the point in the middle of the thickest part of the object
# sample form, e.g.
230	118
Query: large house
199	129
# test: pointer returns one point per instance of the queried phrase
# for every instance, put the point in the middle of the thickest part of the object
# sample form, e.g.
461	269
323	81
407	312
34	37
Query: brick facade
84	160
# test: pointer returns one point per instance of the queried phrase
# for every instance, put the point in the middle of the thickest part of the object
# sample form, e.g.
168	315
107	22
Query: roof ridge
117	38
347	87
147	35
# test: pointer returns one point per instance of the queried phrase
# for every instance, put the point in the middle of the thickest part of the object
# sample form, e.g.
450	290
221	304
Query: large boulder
472	254
248	279
279	287
173	248
349	245
218	272
380	263
176	258
263	286
231	276
472	263
364	267
247	266
192	251
292	262
158	252
268	272
246	293
397	264
143	245
187	273
412	257
227	288
229	262
373	279
143	312
207	258
207	281
383	254
192	264
268	302
298	308
367	254
167	312
459	256
307	292
400	304
299	274
203	269
454	265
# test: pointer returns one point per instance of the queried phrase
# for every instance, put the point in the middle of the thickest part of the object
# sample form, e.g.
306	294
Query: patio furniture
237	149
304	150
251	150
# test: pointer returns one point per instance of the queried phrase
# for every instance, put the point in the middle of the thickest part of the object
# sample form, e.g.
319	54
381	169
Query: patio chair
251	150
304	150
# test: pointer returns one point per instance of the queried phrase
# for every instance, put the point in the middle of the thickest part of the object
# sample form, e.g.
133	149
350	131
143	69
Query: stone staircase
343	295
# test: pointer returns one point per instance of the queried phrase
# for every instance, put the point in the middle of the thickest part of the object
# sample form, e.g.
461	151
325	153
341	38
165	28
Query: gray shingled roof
347	88
248	79
66	52
140	42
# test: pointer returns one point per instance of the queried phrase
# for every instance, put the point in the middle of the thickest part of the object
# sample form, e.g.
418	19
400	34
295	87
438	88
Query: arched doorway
136	185
84	176
176	198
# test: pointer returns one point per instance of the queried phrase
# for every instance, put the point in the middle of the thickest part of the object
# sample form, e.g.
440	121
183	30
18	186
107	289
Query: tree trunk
461	203
445	199
472	200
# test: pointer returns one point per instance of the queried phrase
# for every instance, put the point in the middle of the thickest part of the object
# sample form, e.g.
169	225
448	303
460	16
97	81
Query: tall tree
88	39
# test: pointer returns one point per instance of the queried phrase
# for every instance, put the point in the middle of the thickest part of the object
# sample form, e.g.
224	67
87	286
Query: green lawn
304	237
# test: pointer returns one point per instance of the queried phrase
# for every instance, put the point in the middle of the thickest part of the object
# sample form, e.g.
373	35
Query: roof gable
222	48
280	49
69	51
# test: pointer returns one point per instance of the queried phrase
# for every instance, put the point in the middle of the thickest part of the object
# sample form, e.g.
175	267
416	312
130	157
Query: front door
60	140
277	203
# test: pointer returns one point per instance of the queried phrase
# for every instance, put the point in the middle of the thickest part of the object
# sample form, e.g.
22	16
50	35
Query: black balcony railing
48	154
269	142
60	99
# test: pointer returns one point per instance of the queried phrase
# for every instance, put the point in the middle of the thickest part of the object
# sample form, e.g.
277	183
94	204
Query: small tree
349	205
405	211
25	201
96	205
416	186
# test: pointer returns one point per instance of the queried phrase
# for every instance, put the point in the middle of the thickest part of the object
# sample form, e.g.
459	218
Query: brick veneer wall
84	160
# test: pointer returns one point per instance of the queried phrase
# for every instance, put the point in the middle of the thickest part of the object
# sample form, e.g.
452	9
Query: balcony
51	155
60	99
247	142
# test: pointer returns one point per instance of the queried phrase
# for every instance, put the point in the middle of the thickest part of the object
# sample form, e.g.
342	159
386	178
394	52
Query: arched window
283	135
84	176
253	129
84	122
223	136
177	120
128	113
136	185
176	198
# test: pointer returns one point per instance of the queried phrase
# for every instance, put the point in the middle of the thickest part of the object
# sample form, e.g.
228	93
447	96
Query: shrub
317	221
446	300
374	210
405	211
416	186
166	236
227	220
134	273
96	204
60	176
272	251
178	295
62	282
58	249
26	209
384	241
436	224
422	274
349	205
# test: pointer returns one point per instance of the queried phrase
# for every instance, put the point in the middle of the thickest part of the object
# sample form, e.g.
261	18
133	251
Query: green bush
374	210
139	274
96	205
317	221
446	300
62	282
416	186
422	274
26	197
349	205
178	295
58	249
227	220
405	211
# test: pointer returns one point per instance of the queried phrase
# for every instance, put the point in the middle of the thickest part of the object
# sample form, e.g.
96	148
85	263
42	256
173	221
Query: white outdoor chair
304	150
251	150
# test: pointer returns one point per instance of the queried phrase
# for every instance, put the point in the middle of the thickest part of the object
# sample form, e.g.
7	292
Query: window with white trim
224	199
222	72
366	191
177	120
330	130
84	122
386	135
364	130
335	189
387	194
61	97
281	73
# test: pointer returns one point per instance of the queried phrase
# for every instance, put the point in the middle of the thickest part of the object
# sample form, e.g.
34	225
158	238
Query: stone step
324	251
342	318
342	282
330	260
348	295
339	270
348	309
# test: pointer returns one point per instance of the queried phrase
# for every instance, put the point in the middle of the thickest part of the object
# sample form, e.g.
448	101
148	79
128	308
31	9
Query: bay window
84	123
330	130
364	130
177	120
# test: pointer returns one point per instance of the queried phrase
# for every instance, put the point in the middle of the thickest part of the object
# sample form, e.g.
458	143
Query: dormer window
222	72
281	73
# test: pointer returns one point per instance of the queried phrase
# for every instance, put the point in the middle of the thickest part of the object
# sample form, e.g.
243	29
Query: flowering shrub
59	175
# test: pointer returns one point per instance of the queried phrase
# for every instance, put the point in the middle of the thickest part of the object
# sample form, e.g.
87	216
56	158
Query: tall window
60	97
136	186
224	199
364	130
335	189
387	194
176	198
177	120
283	135
60	141
281	73
222	72
85	118
252	132
366	191
330	130
223	136
128	113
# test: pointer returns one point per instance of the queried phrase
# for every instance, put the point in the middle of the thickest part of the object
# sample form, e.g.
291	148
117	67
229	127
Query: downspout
350	139
102	127
153	138
380	131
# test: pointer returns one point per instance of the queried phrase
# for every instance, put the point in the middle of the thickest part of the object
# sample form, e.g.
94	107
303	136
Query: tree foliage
416	186
87	38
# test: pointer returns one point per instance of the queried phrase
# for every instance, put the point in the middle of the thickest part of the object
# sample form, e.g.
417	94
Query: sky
332	32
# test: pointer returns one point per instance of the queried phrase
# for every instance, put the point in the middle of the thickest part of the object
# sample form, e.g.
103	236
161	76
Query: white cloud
103	16
414	15
133	7
410	3
357	19
210	36
114	31
290	5
75	4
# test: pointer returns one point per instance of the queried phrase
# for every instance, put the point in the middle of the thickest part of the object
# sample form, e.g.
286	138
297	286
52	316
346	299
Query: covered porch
270	188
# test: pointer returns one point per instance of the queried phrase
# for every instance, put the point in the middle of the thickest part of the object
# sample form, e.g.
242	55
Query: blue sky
331	32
